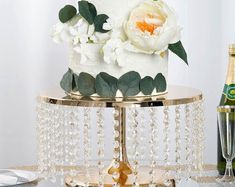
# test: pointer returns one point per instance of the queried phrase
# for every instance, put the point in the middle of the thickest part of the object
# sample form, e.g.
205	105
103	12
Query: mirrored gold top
176	95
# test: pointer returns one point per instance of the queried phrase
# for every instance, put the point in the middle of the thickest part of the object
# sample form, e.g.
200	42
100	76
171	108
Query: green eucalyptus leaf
129	84
106	85
147	85
179	50
160	83
75	77
67	13
87	11
99	22
85	84
67	81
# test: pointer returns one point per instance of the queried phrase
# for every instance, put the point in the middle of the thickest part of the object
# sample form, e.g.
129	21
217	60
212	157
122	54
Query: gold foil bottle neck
231	67
232	49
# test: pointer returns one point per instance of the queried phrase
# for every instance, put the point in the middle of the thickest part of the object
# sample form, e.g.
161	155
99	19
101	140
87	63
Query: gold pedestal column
124	168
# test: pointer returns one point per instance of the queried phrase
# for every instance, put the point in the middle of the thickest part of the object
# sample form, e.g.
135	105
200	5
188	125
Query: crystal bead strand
135	148
166	132
177	143
61	142
152	145
116	153
188	142
41	140
48	137
77	135
142	135
53	125
72	140
44	142
198	161
130	120
57	136
195	136
66	136
48	144
101	145
201	136
157	137
87	143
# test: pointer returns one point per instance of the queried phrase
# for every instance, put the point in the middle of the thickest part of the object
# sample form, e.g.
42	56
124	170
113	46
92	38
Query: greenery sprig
179	50
105	85
88	12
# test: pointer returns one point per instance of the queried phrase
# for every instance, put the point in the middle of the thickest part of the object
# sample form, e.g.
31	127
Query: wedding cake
118	48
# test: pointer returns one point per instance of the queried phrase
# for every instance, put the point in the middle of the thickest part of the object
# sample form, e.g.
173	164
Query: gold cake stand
177	95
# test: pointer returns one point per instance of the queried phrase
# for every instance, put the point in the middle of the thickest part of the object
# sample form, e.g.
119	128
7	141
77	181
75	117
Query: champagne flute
226	120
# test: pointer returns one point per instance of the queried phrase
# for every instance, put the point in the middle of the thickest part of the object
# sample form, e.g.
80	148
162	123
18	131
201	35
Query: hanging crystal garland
53	127
101	145
201	135
57	135
87	143
61	142
142	137
41	128
166	133
152	144
177	143
135	147
66	136
73	139
188	142
48	139
157	136
116	152
78	139
129	129
195	133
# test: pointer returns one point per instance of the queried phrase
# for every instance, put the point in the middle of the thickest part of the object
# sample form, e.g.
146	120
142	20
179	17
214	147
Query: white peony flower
114	52
152	26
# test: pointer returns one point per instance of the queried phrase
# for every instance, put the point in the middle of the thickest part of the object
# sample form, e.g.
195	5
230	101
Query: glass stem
229	168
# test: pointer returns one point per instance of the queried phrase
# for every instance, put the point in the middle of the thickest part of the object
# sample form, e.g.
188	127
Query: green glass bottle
228	98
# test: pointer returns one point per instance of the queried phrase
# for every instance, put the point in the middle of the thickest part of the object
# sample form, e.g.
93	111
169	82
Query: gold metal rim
226	109
81	184
232	49
177	95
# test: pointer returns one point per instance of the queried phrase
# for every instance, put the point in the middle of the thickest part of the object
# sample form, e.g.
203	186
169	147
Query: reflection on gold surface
143	178
124	170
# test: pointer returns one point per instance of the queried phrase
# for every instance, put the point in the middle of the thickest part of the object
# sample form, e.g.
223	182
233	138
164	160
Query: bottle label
229	91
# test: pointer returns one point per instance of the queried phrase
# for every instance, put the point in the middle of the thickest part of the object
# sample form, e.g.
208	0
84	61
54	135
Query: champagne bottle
228	98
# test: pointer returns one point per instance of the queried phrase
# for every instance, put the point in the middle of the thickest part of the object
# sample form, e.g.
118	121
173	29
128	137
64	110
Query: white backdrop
30	63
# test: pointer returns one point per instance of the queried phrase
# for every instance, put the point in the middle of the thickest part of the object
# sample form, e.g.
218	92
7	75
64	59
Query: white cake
128	40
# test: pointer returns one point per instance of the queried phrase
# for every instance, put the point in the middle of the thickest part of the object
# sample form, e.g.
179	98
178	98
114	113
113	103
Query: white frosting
144	64
116	9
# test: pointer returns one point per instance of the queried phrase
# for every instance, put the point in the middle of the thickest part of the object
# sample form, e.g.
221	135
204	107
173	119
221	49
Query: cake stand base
143	179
